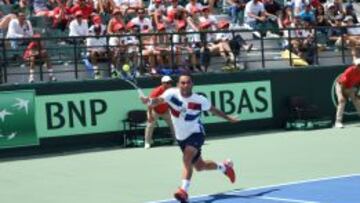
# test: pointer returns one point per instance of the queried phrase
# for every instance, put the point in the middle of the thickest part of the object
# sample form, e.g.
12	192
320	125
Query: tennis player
186	107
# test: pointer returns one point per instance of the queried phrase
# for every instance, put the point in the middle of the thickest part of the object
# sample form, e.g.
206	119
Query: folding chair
134	126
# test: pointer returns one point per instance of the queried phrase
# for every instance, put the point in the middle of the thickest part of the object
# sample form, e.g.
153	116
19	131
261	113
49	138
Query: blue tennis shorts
195	140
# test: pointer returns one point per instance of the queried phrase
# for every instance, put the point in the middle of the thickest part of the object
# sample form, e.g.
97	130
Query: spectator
96	48
353	31
40	7
173	9
61	15
78	26
207	45
132	47
35	52
148	50
141	21
346	86
307	14
321	18
285	20
97	21
349	11
86	8
21	6
298	6
156	11
304	44
19	28
352	37
334	9
336	32
235	10
104	6
208	17
118	48
183	47
339	8
116	19
256	16
273	10
193	8
129	6
161	110
163	46
222	44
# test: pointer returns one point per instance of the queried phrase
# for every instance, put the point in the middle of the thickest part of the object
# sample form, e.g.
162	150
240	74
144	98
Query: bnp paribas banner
97	112
17	119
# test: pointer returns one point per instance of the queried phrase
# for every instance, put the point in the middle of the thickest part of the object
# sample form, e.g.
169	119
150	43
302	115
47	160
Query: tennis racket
132	81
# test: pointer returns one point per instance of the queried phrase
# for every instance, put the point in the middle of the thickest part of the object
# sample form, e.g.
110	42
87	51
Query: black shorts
195	140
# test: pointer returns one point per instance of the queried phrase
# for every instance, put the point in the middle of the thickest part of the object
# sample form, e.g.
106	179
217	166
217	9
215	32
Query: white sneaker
338	125
147	146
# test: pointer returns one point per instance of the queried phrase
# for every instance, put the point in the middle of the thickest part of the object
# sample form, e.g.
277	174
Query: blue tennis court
341	189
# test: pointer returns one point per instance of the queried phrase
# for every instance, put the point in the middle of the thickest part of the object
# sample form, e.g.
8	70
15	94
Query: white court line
278	199
275	185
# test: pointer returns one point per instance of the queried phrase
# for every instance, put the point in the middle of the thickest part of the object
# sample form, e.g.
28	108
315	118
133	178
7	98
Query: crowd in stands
93	19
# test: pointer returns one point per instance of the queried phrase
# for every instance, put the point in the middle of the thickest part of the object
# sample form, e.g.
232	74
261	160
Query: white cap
166	78
357	61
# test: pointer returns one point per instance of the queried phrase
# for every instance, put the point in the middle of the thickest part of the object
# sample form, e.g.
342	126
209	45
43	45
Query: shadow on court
234	196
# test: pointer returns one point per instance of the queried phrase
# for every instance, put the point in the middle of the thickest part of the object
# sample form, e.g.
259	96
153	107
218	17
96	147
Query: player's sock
221	167
185	185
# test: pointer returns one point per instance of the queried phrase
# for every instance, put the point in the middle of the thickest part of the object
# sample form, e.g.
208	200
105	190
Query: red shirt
161	108
113	22
351	77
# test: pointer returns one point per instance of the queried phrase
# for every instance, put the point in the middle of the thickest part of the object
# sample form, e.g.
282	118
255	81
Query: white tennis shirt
185	112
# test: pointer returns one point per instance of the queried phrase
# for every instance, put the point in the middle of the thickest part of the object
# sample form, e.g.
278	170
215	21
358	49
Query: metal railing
67	54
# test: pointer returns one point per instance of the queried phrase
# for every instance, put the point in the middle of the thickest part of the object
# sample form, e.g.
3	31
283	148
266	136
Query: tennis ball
126	68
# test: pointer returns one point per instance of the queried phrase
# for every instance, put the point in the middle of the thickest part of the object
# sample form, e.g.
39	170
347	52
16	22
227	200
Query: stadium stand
170	52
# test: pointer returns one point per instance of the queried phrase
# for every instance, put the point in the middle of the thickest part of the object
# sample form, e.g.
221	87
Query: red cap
118	26
78	13
194	10
158	1
181	24
205	8
160	26
171	15
223	24
205	25
96	20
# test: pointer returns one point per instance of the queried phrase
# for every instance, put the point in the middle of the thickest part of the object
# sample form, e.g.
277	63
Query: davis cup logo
349	108
17	124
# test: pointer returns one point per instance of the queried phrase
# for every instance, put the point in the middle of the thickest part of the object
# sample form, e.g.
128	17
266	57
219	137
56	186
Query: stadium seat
134	126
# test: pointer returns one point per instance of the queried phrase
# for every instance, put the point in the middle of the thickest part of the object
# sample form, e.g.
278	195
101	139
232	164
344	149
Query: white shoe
147	146
339	125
